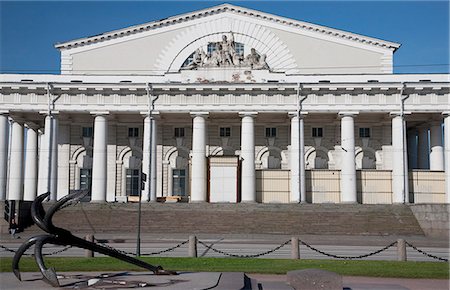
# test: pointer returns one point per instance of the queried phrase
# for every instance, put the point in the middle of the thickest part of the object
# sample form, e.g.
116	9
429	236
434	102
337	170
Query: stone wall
433	218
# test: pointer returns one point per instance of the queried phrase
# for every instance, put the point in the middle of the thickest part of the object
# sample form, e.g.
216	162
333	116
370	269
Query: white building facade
227	104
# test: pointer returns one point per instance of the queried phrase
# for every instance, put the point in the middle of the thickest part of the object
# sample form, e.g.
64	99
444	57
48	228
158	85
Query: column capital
4	112
199	114
145	114
446	113
99	113
248	114
294	114
398	113
348	114
52	112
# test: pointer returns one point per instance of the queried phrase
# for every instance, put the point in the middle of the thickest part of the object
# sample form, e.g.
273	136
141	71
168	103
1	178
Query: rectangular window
85	179
179	132
364	132
133	182
133	132
87	132
317	132
225	131
179	182
271	132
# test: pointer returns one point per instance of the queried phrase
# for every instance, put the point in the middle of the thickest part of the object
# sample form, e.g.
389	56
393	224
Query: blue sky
30	29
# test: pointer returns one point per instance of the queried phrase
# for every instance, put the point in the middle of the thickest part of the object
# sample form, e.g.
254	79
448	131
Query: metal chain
145	254
425	253
114	249
166	250
348	257
58	251
6	249
44	254
245	256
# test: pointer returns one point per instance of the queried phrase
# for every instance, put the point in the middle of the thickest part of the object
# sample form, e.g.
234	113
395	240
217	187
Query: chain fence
348	257
244	256
425	253
210	247
144	254
6	249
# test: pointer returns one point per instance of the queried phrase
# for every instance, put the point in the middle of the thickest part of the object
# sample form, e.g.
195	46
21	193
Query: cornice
340	34
314	88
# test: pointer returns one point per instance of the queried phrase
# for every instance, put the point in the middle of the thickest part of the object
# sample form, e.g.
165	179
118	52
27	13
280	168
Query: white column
422	150
4	140
154	159
48	158
15	188
30	176
348	169
294	160
436	147
447	155
99	159
400	191
297	160
63	146
54	160
149	153
43	172
198	175
146	158
248	182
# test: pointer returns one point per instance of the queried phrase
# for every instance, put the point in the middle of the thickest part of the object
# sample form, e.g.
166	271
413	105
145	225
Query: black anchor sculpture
59	236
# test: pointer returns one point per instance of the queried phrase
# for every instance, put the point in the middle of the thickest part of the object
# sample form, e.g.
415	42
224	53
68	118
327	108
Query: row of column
22	182
23	187
348	169
425	147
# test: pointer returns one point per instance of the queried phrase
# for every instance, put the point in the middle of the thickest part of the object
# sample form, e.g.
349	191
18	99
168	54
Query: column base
198	201
348	202
98	201
248	201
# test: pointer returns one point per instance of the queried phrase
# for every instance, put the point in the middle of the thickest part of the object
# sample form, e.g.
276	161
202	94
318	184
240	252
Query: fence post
401	250
192	246
89	253
295	249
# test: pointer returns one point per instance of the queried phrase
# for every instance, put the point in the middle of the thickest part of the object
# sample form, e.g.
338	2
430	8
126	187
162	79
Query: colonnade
19	183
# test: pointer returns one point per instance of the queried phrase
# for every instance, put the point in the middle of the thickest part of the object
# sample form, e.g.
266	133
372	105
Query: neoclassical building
227	104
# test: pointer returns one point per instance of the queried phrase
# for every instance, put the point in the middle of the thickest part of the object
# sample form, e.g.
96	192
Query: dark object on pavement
59	236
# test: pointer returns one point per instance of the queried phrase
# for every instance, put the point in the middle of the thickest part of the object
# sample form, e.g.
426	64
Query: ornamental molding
299	26
252	35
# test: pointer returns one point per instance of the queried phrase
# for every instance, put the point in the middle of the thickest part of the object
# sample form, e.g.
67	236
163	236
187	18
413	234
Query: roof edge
223	8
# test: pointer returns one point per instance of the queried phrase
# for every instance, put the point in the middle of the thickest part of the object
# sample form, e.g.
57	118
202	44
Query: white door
223	180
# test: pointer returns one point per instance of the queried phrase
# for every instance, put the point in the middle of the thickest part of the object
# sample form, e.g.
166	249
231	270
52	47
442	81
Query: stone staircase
206	218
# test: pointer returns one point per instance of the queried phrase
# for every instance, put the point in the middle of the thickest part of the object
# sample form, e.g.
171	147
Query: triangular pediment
289	46
231	9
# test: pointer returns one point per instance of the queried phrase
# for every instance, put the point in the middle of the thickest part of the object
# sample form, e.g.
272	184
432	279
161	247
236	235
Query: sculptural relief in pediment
225	53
